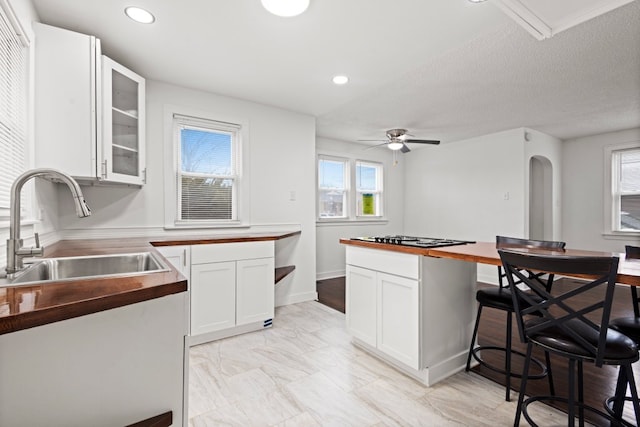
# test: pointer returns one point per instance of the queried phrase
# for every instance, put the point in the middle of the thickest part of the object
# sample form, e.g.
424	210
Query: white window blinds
207	170
13	105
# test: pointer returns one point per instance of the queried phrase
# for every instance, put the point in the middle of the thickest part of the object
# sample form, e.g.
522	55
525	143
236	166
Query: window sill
620	235
5	223
347	222
205	226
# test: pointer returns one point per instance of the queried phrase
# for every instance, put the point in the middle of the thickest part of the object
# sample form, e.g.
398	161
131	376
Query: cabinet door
255	290
398	318
123	131
65	94
179	257
213	297
360	303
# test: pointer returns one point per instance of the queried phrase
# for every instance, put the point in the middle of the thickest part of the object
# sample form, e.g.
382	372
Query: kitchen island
414	307
413	311
99	351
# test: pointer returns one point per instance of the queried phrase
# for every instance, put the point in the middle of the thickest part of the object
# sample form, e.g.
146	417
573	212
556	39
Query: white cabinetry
89	110
414	312
398	304
232	289
179	257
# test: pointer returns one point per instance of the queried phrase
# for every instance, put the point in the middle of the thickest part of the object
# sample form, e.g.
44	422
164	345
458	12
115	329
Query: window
337	176
332	187
13	105
207	165
625	166
368	189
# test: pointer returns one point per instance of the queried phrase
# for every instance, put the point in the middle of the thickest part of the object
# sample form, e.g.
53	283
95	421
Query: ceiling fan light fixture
139	15
285	8
395	145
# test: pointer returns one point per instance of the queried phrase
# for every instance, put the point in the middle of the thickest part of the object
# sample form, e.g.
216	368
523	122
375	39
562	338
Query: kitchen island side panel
448	308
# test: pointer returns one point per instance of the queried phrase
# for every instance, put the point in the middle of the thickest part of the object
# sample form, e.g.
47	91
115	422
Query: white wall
330	254
282	160
583	191
458	190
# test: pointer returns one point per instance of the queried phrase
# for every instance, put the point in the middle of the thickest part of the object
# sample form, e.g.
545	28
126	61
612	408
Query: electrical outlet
506	196
292	195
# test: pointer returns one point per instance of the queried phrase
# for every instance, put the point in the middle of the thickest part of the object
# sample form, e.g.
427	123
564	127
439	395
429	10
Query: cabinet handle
144	175
184	257
104	169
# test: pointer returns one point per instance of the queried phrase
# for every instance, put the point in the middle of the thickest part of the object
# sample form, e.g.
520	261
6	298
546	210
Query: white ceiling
445	69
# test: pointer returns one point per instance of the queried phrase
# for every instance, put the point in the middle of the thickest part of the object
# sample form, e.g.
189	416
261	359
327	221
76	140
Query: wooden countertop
486	253
28	306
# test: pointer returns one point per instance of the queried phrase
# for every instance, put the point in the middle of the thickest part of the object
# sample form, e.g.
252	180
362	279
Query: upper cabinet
89	110
123	115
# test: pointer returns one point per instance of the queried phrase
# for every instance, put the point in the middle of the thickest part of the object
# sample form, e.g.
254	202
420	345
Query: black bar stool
499	298
630	326
561	325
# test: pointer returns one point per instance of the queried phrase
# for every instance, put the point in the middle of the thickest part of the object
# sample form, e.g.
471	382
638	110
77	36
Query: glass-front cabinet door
123	136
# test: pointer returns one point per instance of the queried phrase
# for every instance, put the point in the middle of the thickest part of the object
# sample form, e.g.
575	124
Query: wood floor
599	382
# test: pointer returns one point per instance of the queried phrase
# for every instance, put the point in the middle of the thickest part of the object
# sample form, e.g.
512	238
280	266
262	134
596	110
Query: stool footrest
542	366
565	400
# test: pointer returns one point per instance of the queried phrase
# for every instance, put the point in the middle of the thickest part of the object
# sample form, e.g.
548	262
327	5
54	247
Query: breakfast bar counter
414	307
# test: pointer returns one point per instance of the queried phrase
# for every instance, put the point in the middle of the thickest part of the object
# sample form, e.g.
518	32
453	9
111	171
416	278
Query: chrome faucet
15	251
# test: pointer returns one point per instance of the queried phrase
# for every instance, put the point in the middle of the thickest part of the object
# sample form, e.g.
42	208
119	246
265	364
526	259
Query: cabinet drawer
400	264
218	252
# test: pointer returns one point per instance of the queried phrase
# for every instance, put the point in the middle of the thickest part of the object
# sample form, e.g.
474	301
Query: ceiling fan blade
373	140
376	146
423	141
404	148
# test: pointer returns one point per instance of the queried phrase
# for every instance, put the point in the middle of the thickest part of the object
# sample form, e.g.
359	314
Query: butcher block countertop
486	253
28	306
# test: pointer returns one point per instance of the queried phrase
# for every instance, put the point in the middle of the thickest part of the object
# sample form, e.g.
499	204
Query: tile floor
305	372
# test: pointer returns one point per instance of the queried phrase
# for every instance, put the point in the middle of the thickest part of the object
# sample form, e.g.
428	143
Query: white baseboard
330	274
296	298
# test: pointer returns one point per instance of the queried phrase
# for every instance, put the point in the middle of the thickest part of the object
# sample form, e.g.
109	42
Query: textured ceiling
445	69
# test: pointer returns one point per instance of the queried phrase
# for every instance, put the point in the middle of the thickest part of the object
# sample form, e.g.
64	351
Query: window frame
177	117
19	140
611	189
378	191
352	215
347	190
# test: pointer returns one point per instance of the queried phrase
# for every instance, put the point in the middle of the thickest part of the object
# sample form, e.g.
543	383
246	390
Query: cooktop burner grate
422	242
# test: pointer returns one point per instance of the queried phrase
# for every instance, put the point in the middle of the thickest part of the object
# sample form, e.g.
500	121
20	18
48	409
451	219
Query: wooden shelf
162	420
282	272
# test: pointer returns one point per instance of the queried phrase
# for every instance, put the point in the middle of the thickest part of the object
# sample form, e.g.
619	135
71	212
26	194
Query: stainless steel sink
75	268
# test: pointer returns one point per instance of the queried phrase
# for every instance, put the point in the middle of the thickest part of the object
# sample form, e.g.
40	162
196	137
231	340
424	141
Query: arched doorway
540	198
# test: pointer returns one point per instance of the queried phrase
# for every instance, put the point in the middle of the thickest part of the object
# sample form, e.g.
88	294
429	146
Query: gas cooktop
420	242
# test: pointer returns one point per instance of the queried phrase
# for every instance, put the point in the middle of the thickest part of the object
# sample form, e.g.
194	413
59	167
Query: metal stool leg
507	358
523	384
473	338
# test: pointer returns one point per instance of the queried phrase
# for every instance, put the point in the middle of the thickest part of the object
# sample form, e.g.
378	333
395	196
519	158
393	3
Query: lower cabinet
382	310
232	288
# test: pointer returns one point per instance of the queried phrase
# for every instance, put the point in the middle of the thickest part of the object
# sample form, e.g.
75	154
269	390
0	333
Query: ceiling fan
397	139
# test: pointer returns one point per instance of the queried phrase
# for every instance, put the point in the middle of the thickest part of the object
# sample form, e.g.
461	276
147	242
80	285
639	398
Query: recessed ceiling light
286	7
139	15
340	80
477	1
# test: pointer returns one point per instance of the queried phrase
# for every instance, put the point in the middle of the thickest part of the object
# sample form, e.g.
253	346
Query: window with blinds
207	178
626	189
13	106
